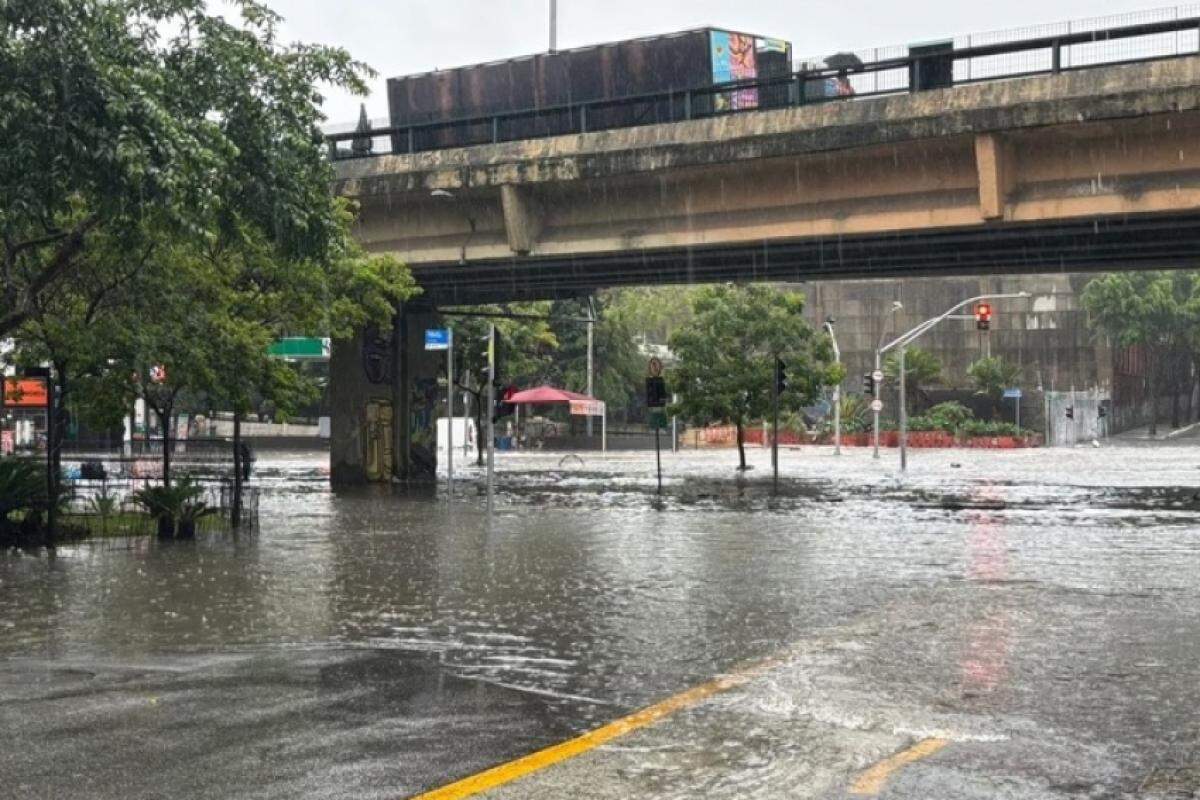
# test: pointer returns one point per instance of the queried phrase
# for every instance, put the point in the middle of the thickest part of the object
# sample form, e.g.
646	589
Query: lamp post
875	382
837	390
905	339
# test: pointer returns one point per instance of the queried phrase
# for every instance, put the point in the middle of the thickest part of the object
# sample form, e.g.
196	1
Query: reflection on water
581	590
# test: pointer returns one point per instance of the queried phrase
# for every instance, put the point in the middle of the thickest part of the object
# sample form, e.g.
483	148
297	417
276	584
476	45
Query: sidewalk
1165	433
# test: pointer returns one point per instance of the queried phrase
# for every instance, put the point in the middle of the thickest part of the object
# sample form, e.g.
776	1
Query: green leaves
726	354
991	376
165	201
156	111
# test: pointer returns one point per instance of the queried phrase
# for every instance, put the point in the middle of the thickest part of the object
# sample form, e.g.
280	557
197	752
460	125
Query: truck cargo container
564	91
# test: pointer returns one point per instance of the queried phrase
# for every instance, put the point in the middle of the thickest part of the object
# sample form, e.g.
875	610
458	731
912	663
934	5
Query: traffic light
656	392
495	354
868	384
504	408
780	376
983	316
1070	412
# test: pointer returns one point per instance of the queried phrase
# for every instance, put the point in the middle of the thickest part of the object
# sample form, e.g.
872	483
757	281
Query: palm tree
921	368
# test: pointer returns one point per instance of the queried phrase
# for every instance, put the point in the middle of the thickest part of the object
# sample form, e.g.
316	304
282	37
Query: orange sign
25	393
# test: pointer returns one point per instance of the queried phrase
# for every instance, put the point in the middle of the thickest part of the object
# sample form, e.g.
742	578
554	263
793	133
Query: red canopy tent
581	405
545	395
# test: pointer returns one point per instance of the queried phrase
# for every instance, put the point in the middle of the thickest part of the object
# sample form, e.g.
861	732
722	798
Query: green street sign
300	347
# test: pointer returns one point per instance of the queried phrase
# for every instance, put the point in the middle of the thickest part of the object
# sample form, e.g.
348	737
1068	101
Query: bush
856	413
169	505
980	427
22	486
949	417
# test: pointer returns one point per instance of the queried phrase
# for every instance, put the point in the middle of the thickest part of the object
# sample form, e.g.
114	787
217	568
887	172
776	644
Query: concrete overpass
1089	169
1082	170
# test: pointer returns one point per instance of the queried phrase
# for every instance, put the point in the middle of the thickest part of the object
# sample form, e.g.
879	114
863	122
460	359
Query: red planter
930	439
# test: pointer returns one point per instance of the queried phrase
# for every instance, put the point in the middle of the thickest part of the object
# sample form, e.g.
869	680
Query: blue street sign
437	339
1012	394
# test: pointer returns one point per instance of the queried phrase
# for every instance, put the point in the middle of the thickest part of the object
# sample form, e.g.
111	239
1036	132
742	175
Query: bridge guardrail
945	65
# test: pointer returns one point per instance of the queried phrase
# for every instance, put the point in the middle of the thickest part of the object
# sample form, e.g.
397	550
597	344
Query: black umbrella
844	61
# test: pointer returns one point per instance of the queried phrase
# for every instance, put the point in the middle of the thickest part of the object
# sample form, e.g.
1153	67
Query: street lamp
443	194
905	339
876	382
837	390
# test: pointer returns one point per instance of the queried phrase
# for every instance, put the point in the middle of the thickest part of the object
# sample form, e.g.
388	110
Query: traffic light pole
875	392
491	418
775	428
903	413
903	341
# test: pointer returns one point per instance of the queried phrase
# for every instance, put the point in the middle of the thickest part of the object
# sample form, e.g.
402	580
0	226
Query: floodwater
1037	609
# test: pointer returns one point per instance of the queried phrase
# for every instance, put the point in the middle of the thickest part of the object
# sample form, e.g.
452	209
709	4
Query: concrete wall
1046	335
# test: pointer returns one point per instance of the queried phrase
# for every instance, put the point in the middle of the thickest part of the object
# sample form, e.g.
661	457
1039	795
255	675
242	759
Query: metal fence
1043	49
123	516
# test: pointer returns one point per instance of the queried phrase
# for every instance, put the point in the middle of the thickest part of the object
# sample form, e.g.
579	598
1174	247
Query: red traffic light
983	316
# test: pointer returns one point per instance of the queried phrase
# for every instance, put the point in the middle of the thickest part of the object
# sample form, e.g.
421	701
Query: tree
121	115
527	346
179	215
652	312
1151	310
921	368
617	367
726	355
991	376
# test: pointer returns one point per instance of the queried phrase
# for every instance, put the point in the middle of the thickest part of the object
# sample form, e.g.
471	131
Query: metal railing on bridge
1047	49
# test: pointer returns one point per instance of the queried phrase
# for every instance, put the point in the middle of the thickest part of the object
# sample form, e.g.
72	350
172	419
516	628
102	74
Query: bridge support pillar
383	398
994	164
522	218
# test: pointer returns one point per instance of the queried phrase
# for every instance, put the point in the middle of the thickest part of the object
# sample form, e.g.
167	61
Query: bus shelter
580	405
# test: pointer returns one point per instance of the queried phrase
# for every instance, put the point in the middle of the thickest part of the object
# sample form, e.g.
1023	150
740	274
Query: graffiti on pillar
377	440
422	427
376	356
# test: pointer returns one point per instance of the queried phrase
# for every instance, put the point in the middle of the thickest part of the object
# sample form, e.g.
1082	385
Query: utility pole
590	360
51	460
903	412
837	392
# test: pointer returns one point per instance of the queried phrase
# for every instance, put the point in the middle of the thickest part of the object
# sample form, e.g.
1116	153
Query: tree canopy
128	116
1158	312
165	203
725	356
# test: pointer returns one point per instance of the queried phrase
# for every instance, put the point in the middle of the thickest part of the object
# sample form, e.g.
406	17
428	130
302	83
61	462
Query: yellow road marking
512	770
872	781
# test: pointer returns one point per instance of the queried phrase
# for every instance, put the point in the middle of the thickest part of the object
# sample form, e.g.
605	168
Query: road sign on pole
877	406
437	339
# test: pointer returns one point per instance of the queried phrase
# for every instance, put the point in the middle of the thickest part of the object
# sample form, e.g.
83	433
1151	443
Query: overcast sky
397	37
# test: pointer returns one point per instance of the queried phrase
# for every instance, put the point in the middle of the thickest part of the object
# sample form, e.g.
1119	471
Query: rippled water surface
1057	586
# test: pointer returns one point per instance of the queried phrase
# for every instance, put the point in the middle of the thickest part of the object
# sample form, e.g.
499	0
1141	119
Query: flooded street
1033	614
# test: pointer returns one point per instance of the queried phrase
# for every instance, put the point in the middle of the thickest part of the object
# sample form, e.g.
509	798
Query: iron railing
987	57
